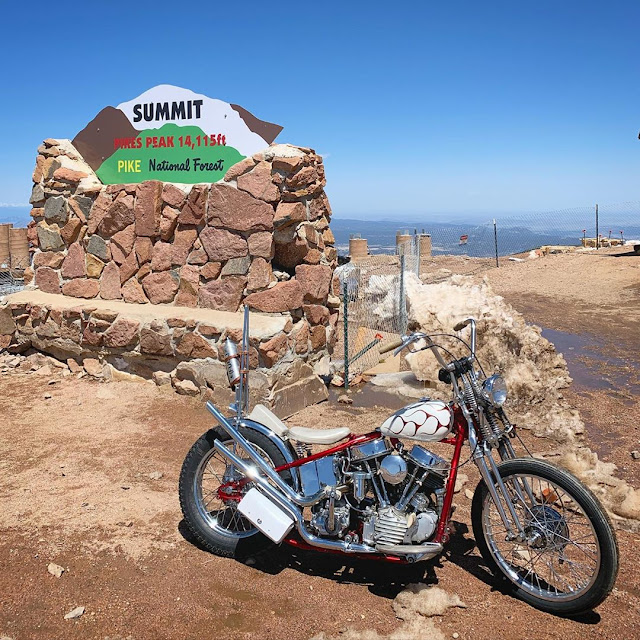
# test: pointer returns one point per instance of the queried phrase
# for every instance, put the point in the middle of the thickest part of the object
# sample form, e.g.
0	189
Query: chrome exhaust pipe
297	498
262	484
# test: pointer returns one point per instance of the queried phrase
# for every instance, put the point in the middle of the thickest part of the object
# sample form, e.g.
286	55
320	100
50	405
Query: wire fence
12	276
373	288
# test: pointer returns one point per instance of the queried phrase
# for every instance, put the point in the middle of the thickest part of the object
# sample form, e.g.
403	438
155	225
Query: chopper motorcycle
252	482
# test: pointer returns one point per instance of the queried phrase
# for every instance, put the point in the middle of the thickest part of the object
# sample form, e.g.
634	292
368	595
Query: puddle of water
592	365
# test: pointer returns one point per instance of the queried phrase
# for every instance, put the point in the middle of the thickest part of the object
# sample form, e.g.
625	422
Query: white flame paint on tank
426	420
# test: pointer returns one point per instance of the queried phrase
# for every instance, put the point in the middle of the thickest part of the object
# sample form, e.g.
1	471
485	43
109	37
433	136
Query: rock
156	475
49	238
98	211
55	569
313	256
224	294
258	183
155	342
272	350
189	286
223	245
237	266
461	480
37	194
81	206
98	247
129	267
74	264
211	270
161	287
69	175
345	399
301	337
119	215
172	195
74	613
110	282
288	164
316	313
328	237
284	296
261	245
48	259
182	243
314	281
48	280
635	455
92	367
144	249
93	266
193	345
236	170
161	260
161	378
318	337
122	333
81	288
234	209
71	231
468	493
125	239
186	388
288	212
168	223
198	256
56	209
290	250
147	208
74	367
193	210
133	292
259	274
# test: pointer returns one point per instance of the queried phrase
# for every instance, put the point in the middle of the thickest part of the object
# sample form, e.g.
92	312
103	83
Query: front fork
483	459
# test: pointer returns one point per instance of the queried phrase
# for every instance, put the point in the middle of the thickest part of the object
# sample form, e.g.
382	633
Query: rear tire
566	511
215	523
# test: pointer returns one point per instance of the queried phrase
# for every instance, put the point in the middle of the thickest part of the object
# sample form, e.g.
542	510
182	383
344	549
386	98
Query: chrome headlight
495	390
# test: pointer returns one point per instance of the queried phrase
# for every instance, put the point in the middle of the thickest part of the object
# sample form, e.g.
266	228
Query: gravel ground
80	488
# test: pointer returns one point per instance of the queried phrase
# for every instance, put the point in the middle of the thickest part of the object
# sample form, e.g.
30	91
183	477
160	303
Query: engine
377	494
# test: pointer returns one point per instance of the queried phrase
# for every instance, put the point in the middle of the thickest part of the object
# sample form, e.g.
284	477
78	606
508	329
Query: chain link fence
12	276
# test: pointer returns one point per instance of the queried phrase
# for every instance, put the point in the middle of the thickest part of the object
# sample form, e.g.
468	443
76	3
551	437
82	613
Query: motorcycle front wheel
568	560
210	490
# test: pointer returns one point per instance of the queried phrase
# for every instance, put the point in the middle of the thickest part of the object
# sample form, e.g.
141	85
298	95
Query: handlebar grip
461	325
391	346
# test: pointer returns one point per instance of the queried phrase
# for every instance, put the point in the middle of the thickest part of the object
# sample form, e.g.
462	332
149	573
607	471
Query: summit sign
171	134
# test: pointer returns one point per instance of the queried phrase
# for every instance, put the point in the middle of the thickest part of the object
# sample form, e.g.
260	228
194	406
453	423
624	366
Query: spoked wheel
210	490
568	560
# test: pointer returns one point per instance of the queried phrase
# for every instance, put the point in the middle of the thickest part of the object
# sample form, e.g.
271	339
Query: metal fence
12	277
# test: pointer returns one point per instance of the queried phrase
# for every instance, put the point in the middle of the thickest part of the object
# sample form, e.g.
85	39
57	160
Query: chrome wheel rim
222	516
560	559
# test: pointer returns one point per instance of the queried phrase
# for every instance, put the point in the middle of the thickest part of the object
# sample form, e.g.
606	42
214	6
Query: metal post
495	240
345	317
597	230
402	306
418	241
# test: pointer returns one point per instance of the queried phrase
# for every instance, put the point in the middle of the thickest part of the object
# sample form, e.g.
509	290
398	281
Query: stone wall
261	237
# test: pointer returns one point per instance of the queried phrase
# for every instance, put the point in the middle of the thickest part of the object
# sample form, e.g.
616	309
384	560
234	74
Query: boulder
147	208
314	281
284	296
74	264
258	183
223	245
110	282
233	209
224	294
161	287
122	333
81	288
186	388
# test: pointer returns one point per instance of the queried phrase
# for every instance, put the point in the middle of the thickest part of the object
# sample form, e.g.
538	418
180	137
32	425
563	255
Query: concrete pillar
402	237
358	248
425	245
19	247
5	253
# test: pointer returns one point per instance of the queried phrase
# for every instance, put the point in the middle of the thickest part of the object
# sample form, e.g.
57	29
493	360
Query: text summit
182	110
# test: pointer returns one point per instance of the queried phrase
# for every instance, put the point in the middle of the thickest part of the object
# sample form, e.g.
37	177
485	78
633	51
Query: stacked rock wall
260	238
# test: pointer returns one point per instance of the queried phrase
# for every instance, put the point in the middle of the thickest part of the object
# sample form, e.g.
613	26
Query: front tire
569	561
212	515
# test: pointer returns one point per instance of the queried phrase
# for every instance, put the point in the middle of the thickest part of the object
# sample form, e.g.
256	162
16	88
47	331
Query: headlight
495	390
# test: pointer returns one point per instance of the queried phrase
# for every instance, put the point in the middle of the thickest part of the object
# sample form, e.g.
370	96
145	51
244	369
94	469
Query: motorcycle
253	482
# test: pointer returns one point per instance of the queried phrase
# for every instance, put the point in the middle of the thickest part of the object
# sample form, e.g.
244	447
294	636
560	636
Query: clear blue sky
419	107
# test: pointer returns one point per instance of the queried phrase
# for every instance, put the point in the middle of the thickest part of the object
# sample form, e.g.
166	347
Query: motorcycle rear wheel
569	562
216	523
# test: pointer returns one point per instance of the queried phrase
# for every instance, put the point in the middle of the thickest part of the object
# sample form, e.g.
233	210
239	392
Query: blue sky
420	108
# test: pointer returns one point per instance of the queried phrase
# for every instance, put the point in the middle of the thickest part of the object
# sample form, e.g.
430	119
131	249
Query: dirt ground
80	486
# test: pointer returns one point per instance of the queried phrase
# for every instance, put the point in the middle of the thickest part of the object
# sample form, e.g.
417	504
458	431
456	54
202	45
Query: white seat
318	436
265	416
